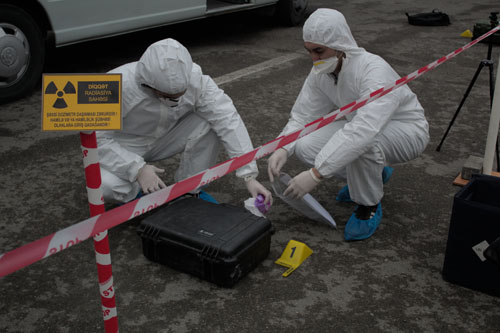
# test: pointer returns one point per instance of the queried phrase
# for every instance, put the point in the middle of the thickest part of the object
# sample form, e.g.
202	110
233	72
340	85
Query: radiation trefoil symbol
60	103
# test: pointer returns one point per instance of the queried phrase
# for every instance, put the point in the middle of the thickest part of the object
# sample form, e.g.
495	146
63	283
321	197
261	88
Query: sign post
87	103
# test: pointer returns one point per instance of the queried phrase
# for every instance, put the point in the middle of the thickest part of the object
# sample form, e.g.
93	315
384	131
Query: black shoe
365	212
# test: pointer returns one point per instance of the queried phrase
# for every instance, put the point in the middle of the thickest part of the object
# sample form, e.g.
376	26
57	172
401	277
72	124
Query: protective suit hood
165	66
329	27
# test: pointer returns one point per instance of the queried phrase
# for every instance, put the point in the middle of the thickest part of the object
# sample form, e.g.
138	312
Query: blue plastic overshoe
344	196
387	173
357	229
207	197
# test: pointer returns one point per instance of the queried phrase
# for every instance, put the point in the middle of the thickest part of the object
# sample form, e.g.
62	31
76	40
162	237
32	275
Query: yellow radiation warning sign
81	102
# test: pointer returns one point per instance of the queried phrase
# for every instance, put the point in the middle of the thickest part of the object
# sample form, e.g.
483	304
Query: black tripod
489	63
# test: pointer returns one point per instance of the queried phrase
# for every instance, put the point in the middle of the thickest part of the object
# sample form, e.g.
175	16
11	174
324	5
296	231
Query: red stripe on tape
423	69
96	209
88	140
111	304
401	80
110	218
105	272
185	186
111	324
102	246
345	107
376	92
313	122
359	105
289	138
386	91
93	175
23	256
328	120
242	160
442	59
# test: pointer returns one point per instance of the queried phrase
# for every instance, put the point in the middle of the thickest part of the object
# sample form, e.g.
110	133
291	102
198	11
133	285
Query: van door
76	20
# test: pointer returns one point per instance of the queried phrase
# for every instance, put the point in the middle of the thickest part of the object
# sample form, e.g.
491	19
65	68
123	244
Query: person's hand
276	162
301	184
149	180
255	188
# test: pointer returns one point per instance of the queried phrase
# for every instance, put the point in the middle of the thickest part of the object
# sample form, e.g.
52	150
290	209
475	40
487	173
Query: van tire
291	12
23	51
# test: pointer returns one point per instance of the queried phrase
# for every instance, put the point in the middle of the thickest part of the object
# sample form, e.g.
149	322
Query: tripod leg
492	92
481	65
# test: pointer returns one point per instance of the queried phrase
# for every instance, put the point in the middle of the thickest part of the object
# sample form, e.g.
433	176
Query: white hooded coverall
153	131
391	129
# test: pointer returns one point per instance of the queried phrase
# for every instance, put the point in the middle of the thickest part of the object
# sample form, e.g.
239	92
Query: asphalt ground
391	282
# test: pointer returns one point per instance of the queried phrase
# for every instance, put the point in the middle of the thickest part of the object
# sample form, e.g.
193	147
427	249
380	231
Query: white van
29	27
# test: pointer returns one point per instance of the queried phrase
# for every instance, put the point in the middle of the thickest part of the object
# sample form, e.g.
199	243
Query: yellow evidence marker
467	33
295	253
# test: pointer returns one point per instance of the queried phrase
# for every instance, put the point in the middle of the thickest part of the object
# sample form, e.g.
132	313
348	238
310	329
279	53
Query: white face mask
325	66
170	102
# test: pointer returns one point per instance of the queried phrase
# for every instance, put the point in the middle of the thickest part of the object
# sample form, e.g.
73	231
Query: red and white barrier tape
101	240
61	240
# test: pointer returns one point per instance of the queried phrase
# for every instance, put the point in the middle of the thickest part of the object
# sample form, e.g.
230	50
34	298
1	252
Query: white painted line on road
236	75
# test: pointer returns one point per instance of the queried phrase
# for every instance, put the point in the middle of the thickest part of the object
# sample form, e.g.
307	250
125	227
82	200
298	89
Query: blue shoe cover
387	173
207	197
357	229
344	196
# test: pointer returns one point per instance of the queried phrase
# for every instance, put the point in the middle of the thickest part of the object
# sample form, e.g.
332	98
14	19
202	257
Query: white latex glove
276	162
300	185
255	188
149	180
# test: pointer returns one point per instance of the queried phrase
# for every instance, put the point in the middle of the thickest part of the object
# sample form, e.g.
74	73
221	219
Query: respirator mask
325	66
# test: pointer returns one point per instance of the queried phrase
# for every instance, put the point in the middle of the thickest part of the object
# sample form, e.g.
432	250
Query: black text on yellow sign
81	102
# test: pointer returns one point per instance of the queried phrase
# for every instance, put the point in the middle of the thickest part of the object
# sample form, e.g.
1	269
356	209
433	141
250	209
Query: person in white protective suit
170	107
360	146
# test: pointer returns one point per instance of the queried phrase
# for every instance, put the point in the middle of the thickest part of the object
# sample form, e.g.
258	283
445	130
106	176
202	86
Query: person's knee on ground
117	190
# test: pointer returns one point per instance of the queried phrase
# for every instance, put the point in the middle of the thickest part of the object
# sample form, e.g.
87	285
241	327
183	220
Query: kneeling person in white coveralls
360	146
170	107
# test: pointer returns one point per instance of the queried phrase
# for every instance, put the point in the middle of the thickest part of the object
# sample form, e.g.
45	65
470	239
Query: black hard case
475	218
220	243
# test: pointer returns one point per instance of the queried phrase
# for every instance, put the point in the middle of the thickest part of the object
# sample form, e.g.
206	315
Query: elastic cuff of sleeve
249	178
289	148
316	179
134	170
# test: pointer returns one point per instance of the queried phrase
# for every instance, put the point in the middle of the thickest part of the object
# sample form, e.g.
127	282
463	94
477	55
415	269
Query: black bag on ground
433	18
220	243
475	223
481	28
